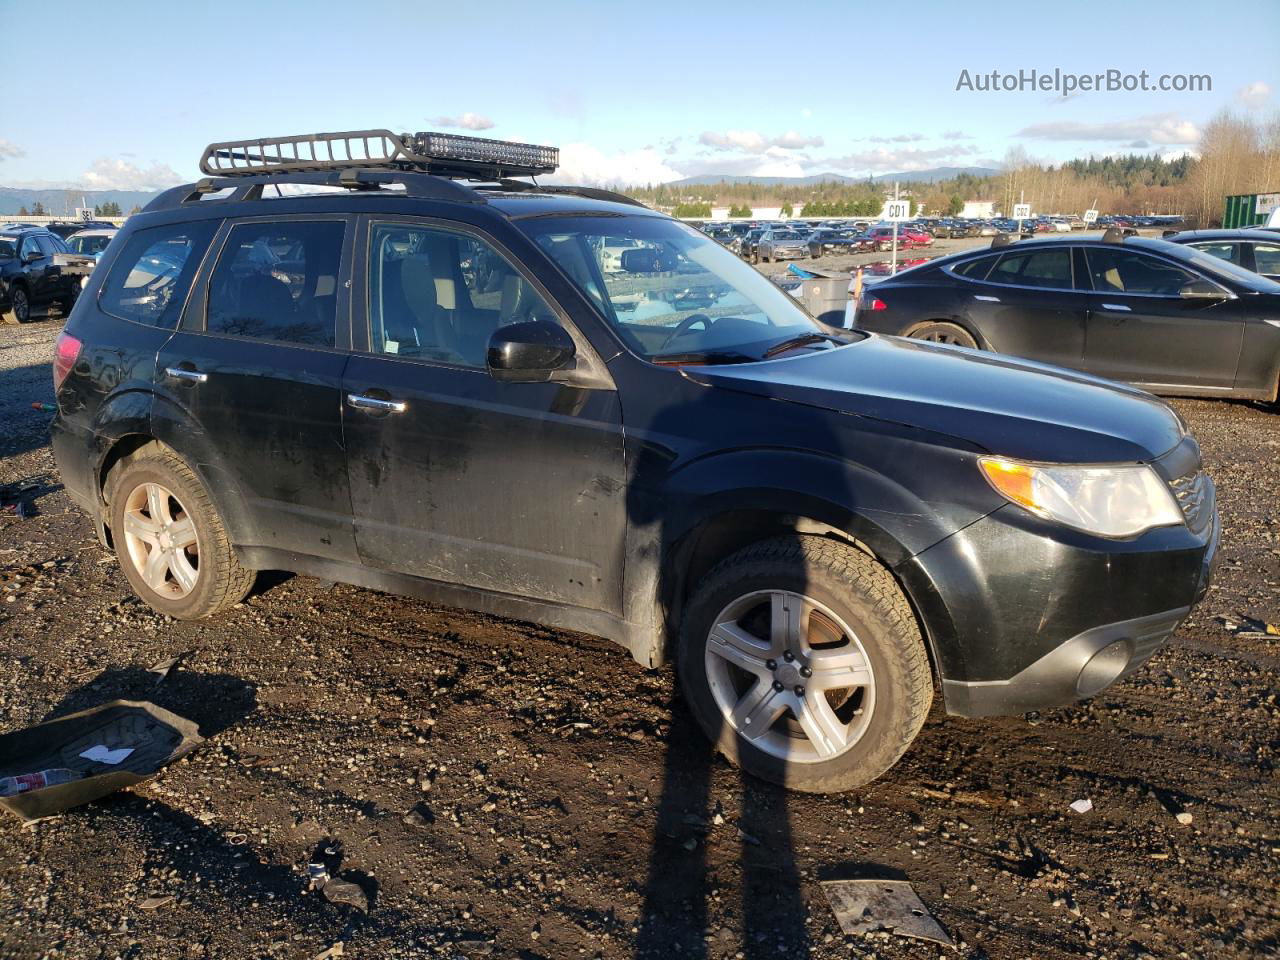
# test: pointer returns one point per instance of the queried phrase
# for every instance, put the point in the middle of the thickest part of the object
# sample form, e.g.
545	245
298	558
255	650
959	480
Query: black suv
431	384
34	275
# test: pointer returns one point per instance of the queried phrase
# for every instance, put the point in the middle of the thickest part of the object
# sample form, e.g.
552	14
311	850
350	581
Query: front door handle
1119	307
364	402
180	373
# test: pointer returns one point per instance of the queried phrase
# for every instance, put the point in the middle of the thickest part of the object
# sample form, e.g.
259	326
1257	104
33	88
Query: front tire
19	306
170	540
803	663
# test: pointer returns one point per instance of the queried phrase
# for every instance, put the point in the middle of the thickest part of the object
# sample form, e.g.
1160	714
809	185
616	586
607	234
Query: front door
516	488
257	366
1142	331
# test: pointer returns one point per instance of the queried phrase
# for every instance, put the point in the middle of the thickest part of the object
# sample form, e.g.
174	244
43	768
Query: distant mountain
916	176
935	174
59	203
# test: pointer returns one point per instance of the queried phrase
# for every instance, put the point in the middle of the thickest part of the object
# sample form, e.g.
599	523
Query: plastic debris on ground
868	906
161	669
138	739
1082	806
347	893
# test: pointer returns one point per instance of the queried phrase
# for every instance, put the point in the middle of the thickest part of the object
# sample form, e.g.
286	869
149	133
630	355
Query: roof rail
441	154
591	193
248	188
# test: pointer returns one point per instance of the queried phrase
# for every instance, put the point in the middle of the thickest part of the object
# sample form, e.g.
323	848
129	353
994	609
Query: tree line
1237	154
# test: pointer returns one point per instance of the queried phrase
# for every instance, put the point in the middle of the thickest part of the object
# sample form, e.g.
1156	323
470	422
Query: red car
918	236
883	237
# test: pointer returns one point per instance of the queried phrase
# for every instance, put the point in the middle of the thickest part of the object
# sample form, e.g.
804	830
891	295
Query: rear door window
150	278
278	281
1125	271
976	269
1266	257
1049	268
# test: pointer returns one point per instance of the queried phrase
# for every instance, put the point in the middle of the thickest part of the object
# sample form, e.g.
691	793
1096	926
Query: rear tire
939	331
170	540
797	604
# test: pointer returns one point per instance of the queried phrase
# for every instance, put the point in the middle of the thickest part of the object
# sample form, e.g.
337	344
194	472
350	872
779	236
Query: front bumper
1023	614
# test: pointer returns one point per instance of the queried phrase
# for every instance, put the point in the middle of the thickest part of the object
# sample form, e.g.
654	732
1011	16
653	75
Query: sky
125	95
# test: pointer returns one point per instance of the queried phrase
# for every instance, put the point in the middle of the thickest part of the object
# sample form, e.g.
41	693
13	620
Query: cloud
955	135
806	113
900	138
895	161
1157	128
1254	94
119	174
581	163
9	151
468	121
750	141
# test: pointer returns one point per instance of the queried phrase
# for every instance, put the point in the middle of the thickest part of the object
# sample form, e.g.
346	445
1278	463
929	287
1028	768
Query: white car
91	243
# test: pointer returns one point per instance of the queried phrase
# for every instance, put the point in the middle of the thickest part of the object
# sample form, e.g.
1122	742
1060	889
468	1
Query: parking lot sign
1091	216
1022	211
897	210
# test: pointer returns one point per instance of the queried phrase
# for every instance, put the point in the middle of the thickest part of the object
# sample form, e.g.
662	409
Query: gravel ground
501	789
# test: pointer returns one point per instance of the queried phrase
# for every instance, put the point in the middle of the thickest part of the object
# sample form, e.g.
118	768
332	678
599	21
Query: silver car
782	244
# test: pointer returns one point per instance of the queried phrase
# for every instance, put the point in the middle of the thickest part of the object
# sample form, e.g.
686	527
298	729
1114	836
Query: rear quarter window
151	277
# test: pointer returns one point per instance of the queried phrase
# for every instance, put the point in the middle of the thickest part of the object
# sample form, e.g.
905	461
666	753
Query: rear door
1142	331
257	365
1025	303
515	488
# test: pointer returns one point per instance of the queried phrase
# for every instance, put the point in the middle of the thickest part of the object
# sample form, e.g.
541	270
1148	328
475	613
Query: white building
978	209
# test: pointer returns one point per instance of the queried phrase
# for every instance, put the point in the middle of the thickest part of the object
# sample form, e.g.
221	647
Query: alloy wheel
21	305
790	676
161	540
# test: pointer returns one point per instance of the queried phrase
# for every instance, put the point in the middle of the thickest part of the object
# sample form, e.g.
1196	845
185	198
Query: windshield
8	248
1225	269
676	292
89	245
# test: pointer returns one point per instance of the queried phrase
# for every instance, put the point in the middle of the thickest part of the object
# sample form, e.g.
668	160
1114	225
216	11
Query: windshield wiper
800	341
708	357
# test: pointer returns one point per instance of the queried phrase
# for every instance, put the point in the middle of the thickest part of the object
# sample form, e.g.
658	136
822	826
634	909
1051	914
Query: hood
1007	406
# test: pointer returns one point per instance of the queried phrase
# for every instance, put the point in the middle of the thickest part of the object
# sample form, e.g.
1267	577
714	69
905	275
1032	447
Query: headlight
1111	501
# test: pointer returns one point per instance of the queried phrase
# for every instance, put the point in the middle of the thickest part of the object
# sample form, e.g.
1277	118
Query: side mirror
32	256
644	260
529	352
1202	290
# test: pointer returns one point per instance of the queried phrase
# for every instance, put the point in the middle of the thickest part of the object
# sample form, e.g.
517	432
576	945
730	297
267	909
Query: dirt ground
499	789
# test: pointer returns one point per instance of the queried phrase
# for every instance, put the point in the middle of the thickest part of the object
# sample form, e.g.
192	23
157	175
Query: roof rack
440	154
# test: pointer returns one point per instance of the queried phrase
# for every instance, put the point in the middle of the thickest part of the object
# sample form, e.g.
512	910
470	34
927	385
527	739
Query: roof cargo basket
441	154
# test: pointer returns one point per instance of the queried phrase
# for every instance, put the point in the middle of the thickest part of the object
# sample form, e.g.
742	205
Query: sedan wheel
948	333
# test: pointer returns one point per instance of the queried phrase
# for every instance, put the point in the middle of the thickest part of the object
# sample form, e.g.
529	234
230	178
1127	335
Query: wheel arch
963	322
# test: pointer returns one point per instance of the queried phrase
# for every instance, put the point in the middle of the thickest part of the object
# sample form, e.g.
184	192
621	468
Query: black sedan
838	241
1256	250
1166	317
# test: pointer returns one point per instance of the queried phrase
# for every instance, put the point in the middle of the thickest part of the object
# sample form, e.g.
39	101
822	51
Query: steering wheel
684	326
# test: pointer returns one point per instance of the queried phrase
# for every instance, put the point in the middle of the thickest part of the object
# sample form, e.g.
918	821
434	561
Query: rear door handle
363	402
178	373
1119	307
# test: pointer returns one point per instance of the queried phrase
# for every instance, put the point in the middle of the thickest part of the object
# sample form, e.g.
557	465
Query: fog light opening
1104	668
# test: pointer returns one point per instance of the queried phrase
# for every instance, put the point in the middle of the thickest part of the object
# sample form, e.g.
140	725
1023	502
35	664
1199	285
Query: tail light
65	353
875	303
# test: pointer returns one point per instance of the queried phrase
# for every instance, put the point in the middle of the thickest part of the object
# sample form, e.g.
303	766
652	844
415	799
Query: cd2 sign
1022	211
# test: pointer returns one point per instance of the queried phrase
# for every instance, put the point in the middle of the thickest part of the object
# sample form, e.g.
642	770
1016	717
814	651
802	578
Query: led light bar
504	153
443	154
